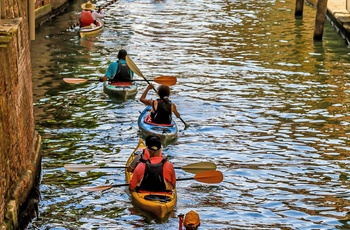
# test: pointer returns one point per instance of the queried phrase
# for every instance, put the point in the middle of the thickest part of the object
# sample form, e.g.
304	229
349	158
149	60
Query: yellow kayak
91	30
157	203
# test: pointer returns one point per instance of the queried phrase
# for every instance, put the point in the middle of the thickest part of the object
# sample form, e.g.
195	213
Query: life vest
86	18
163	113
123	73
153	179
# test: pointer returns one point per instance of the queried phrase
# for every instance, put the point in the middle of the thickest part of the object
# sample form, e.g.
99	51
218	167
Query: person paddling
162	108
119	70
143	156
155	174
88	16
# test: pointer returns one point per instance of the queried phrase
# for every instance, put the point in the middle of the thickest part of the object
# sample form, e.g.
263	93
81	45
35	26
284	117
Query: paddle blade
166	80
133	66
199	167
209	177
101	187
80	168
96	188
75	80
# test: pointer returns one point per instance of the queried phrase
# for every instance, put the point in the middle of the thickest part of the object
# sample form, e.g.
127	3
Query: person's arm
109	73
173	178
99	14
103	79
169	174
174	110
134	163
137	176
144	94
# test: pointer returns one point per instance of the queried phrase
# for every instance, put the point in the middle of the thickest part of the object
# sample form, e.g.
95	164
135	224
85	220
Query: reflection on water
268	105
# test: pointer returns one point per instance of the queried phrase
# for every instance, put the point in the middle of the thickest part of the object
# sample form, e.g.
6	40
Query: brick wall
19	140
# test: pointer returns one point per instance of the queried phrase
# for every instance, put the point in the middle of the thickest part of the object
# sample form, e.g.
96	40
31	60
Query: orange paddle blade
210	177
75	80
166	80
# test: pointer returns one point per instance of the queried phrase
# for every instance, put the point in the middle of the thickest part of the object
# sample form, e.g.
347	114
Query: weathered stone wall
19	142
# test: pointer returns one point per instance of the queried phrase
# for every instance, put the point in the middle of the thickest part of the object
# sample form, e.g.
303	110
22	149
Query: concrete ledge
342	24
342	17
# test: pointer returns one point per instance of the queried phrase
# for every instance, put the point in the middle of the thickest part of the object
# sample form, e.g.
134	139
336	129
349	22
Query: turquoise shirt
113	68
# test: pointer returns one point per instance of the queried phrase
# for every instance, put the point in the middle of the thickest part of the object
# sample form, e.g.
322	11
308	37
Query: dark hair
191	227
163	91
122	54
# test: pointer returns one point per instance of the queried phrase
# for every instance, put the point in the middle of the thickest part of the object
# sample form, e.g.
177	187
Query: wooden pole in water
320	19
31	19
299	7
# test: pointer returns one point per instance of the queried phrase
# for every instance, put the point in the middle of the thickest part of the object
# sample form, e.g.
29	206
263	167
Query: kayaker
119	70
144	155
155	173
162	108
88	16
192	221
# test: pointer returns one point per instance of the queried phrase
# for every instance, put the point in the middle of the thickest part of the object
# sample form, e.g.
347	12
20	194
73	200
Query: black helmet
153	142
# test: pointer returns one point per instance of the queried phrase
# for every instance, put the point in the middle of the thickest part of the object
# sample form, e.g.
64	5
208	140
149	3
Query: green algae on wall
8	28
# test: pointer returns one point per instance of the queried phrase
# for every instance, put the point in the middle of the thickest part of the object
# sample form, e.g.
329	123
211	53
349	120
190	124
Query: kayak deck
120	90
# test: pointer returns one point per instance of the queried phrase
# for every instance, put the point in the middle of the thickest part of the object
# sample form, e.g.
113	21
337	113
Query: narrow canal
265	103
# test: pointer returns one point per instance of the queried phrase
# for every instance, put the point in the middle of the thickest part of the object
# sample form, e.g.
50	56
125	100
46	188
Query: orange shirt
168	173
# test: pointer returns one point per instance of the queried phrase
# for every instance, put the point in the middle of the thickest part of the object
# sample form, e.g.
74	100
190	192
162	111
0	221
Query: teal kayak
120	90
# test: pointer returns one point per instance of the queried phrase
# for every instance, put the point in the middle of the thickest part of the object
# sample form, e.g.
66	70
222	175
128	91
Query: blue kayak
166	132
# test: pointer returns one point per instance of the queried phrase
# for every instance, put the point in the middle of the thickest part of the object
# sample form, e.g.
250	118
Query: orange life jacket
86	18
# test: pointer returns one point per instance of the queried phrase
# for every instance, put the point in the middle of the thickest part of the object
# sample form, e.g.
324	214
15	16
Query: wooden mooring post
321	11
299	7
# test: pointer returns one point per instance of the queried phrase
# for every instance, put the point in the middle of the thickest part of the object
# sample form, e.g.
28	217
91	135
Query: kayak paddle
136	70
209	177
190	168
163	80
